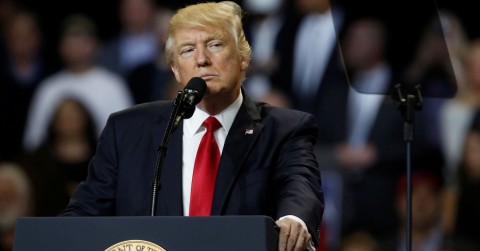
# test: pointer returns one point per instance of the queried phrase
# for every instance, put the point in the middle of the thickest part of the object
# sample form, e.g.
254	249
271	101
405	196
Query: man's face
212	55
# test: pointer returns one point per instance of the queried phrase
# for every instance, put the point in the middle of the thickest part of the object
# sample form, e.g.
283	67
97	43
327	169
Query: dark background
405	19
104	12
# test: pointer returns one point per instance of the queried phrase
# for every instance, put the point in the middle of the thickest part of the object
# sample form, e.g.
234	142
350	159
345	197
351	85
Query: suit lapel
170	192
239	142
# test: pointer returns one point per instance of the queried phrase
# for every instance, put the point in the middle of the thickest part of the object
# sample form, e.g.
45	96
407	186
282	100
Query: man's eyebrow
215	37
205	40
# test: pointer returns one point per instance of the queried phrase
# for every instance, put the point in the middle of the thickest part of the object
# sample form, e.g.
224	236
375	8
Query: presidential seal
135	245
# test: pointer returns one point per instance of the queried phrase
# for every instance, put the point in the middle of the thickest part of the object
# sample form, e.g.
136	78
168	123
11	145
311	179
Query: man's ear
244	64
175	72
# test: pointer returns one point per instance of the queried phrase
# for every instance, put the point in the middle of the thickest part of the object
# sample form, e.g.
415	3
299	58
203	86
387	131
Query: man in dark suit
267	164
311	70
135	44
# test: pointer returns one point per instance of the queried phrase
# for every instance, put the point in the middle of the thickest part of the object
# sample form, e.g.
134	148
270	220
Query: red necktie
205	171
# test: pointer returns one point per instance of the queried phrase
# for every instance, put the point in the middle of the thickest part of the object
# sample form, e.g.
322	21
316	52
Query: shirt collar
193	125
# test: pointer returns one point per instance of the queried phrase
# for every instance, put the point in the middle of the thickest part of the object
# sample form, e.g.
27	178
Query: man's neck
215	105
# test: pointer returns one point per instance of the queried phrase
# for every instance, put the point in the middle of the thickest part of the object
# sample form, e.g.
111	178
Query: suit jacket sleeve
120	173
297	176
96	195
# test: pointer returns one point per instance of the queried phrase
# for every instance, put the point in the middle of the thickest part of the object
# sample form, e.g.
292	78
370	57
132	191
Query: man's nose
202	57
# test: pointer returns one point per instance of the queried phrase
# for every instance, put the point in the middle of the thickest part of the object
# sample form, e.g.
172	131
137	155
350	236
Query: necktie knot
212	124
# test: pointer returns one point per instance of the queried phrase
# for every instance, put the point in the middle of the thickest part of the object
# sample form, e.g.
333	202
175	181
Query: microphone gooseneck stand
162	151
183	108
407	106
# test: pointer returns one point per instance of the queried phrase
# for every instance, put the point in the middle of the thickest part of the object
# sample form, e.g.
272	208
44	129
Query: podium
146	233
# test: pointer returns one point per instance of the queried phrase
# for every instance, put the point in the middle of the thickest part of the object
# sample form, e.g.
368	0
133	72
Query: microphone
192	95
183	107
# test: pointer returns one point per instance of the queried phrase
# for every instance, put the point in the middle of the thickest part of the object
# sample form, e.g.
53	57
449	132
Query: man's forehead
189	34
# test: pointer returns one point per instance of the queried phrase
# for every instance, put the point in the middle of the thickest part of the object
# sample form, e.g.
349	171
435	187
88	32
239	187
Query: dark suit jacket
270	172
328	105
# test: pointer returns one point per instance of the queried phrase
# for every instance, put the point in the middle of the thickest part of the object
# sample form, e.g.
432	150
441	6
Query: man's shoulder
268	111
144	110
286	119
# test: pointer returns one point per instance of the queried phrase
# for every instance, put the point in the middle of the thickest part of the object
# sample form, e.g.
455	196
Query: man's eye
186	52
215	46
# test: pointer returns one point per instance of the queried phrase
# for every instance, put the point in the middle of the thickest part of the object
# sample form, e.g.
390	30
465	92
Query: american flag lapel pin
249	131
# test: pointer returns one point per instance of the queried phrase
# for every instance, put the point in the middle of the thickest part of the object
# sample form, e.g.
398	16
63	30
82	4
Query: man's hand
293	235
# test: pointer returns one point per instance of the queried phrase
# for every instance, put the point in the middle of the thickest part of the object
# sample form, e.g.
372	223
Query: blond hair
14	175
225	15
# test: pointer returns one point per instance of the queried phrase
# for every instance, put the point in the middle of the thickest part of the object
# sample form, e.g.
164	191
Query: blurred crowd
319	56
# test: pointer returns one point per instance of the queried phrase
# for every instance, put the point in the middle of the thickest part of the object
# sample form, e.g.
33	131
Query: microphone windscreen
196	84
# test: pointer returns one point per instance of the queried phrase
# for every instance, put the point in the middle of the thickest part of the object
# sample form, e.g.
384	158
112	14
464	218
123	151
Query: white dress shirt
315	41
364	103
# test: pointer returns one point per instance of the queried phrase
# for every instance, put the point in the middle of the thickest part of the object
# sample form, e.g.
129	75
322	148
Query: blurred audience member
310	70
154	80
265	18
7	9
136	44
61	161
427	233
458	113
22	66
359	241
101	91
432	65
462	207
15	201
437	69
371	156
457	44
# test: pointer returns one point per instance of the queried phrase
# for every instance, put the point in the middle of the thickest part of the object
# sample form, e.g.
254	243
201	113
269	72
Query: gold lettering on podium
135	245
